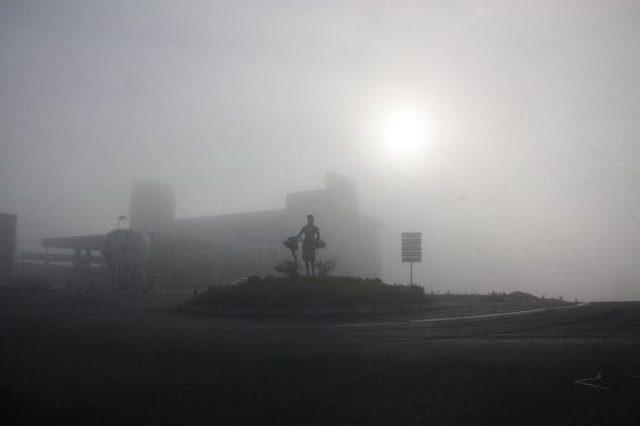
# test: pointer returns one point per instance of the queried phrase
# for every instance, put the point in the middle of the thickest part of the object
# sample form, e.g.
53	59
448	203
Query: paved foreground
83	362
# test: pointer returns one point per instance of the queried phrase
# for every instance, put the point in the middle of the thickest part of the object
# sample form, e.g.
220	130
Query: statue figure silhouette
310	243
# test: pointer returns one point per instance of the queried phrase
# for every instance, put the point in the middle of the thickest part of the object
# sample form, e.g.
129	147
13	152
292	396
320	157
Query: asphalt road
92	362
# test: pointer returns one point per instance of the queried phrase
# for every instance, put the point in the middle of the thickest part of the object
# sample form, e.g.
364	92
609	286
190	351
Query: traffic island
308	297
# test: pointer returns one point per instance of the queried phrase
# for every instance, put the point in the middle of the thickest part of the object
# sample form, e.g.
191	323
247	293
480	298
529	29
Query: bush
325	267
305	291
517	297
288	268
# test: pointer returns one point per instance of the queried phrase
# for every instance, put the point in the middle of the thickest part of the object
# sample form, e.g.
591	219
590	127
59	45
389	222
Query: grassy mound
516	297
276	292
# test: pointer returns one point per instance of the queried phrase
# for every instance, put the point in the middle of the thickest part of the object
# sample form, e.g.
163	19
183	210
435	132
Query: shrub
304	291
288	268
325	267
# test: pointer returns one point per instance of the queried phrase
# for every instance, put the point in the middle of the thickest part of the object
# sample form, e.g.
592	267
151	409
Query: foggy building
255	238
8	224
218	249
152	207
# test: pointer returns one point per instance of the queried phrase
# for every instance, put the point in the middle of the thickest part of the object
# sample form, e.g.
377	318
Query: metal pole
410	272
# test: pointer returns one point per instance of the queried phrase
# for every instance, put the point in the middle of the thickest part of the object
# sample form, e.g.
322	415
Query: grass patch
272	292
516	297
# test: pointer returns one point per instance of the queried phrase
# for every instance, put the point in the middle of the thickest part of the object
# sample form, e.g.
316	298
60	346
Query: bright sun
405	134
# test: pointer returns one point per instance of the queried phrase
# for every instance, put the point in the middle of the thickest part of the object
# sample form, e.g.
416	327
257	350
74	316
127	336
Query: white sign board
411	247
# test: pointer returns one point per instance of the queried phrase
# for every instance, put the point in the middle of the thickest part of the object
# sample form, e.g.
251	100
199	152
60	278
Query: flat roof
87	242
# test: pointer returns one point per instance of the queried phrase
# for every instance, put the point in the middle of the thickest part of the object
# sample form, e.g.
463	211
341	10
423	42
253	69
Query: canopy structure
81	242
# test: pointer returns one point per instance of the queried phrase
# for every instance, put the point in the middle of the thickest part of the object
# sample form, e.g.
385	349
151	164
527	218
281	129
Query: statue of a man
310	243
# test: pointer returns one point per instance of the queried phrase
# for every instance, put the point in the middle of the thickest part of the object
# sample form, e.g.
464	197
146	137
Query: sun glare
405	134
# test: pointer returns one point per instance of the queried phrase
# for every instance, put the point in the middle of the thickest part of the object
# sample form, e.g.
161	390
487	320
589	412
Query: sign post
411	250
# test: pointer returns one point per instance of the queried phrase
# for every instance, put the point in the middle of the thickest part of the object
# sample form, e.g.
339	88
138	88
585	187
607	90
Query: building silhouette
219	249
352	238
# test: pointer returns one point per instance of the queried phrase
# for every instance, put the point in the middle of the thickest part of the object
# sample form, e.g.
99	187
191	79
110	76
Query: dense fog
522	166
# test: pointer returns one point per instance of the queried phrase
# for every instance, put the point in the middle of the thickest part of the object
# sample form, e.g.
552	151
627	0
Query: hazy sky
529	178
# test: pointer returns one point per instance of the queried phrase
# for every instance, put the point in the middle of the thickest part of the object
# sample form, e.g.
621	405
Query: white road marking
501	314
590	379
598	377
